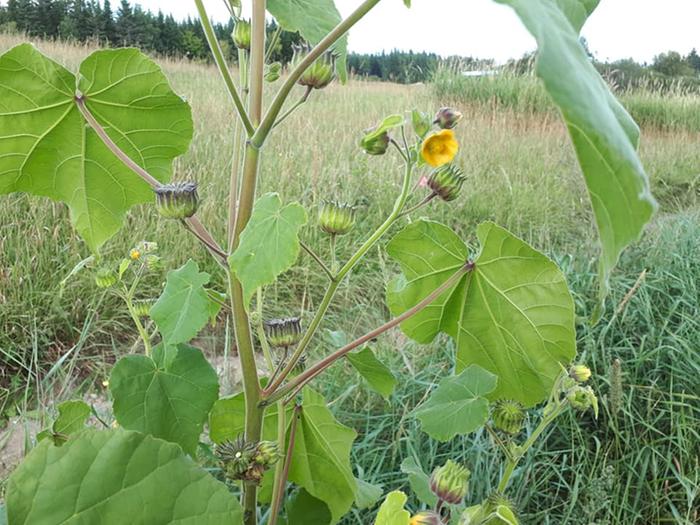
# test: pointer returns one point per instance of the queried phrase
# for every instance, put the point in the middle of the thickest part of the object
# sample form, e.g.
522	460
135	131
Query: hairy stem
323	46
304	378
342	273
513	461
223	67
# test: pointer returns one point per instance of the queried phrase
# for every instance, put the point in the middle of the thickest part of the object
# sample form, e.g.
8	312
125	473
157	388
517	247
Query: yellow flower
135	254
440	148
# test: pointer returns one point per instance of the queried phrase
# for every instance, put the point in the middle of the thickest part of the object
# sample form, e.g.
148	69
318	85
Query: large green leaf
114	477
392	511
313	19
458	405
269	243
604	135
184	307
168	396
378	376
47	149
321	459
512	314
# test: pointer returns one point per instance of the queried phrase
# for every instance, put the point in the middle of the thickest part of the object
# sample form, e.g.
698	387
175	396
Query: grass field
639	463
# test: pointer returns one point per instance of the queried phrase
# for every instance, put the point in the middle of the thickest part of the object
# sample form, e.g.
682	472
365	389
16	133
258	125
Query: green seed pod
241	35
319	74
446	182
178	200
582	398
450	482
236	457
283	332
105	278
427	517
580	373
154	263
447	118
336	218
267	453
273	72
499	510
374	144
142	307
508	416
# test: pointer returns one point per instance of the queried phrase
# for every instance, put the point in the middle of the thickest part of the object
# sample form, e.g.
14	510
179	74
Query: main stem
244	340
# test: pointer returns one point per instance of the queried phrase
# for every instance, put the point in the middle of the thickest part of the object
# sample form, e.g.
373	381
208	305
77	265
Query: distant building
482	73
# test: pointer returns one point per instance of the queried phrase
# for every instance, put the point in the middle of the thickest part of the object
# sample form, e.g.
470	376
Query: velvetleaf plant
103	139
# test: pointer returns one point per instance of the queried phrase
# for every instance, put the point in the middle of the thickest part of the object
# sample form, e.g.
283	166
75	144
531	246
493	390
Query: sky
618	29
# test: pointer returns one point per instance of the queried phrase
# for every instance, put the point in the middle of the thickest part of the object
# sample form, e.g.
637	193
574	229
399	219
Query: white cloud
482	28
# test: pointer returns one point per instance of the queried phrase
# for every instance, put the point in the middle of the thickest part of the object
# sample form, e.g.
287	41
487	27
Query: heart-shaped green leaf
419	481
114	477
46	147
458	405
269	243
604	135
168	396
72	416
512	314
184	307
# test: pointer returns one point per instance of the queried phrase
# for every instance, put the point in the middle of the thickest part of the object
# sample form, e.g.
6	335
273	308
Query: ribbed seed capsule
336	218
178	200
267	453
105	277
450	482
283	332
319	74
142	307
236	457
446	182
241	35
508	416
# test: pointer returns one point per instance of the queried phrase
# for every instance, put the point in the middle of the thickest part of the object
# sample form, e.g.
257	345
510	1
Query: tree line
131	25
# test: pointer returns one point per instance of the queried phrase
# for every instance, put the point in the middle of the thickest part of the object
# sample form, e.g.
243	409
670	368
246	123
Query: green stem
304	378
128	299
316	258
223	67
237	151
298	103
283	467
324	45
513	461
333	286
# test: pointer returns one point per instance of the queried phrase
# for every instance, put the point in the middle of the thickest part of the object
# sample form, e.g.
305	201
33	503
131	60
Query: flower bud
273	72
142	307
319	74
178	200
421	123
500	510
508	416
450	482
336	218
105	277
242	34
582	398
580	373
236	457
427	517
447	118
446	182
267	453
283	332
375	143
